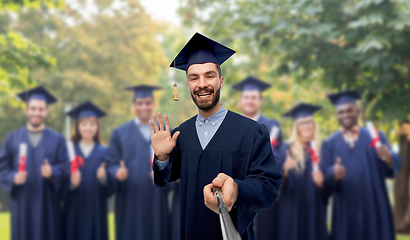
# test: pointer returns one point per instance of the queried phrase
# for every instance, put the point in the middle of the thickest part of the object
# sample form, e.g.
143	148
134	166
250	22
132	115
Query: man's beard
35	125
207	106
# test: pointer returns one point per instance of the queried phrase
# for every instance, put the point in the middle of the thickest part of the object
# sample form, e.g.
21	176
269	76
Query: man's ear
222	82
25	109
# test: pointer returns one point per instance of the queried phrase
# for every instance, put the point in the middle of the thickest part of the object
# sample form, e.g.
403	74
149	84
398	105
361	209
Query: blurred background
91	49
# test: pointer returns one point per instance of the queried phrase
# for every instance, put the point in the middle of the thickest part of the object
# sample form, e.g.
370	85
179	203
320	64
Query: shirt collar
214	119
138	122
256	118
353	130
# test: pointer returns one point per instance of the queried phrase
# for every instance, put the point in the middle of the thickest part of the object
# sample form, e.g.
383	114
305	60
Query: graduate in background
215	148
355	172
139	206
85	204
300	212
250	103
34	180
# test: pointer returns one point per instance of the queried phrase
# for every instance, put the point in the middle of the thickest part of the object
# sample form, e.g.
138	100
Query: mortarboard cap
340	98
86	109
143	91
200	49
251	83
302	110
37	93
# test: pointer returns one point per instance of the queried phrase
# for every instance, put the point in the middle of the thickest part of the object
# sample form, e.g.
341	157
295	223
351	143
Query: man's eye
210	76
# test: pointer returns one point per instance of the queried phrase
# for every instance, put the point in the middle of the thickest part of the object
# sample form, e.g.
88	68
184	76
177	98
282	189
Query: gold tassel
175	94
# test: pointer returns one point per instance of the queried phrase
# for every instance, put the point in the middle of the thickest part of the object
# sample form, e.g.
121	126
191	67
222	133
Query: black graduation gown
361	208
35	206
85	207
241	149
270	123
300	211
139	206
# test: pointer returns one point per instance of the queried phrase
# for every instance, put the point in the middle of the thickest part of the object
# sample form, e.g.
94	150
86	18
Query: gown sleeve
289	181
172	170
6	166
61	168
396	159
259	189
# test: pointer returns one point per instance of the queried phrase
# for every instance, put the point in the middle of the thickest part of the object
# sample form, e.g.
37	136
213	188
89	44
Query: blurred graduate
215	148
355	170
250	102
85	203
33	166
139	206
300	212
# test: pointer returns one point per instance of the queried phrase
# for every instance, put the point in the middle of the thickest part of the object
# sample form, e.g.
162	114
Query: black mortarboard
340	98
251	83
143	91
86	109
302	110
37	93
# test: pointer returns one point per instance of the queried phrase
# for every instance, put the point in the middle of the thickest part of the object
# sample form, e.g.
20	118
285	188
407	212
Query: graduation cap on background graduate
86	109
302	110
143	91
37	93
340	98
200	49
251	83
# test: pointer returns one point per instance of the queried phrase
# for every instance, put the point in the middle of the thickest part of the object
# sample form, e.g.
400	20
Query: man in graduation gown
355	171
250	103
216	148
139	205
34	182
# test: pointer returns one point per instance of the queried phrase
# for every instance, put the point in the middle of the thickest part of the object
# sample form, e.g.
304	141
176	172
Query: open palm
161	139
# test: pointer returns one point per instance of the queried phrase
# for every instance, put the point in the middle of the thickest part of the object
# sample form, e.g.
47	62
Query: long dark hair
76	137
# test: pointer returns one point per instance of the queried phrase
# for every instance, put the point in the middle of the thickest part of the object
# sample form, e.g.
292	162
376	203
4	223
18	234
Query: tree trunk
401	207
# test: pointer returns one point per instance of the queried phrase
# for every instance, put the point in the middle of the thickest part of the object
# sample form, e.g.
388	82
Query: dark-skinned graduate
215	148
300	212
33	166
139	205
85	212
355	171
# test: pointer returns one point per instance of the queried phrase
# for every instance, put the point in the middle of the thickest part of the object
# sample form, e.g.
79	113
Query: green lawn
5	227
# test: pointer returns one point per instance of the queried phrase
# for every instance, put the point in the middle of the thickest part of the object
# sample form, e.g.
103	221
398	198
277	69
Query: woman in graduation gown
301	207
87	191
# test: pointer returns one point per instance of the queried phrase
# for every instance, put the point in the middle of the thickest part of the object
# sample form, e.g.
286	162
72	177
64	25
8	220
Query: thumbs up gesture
46	170
339	171
20	178
290	163
122	172
101	171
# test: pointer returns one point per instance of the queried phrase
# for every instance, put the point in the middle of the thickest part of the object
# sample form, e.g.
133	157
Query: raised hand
318	178
290	163
122	172
46	170
339	171
75	178
161	139
101	171
229	190
20	178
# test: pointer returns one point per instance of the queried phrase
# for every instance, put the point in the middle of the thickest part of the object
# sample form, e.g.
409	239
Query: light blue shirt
205	128
144	129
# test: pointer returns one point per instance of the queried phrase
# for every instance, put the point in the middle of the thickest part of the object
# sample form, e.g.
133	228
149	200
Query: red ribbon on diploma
22	164
273	142
376	139
314	156
78	161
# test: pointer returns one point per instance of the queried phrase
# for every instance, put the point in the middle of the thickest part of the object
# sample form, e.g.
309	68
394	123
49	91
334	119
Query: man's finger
154	122
175	136
46	162
161	122
220	180
103	165
122	164
338	161
151	127
167	125
287	153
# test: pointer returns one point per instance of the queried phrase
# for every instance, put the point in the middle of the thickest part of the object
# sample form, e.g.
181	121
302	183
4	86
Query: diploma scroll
22	157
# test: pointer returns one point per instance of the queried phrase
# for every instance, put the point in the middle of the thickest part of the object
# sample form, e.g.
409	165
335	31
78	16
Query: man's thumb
175	136
122	164
46	162
338	161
